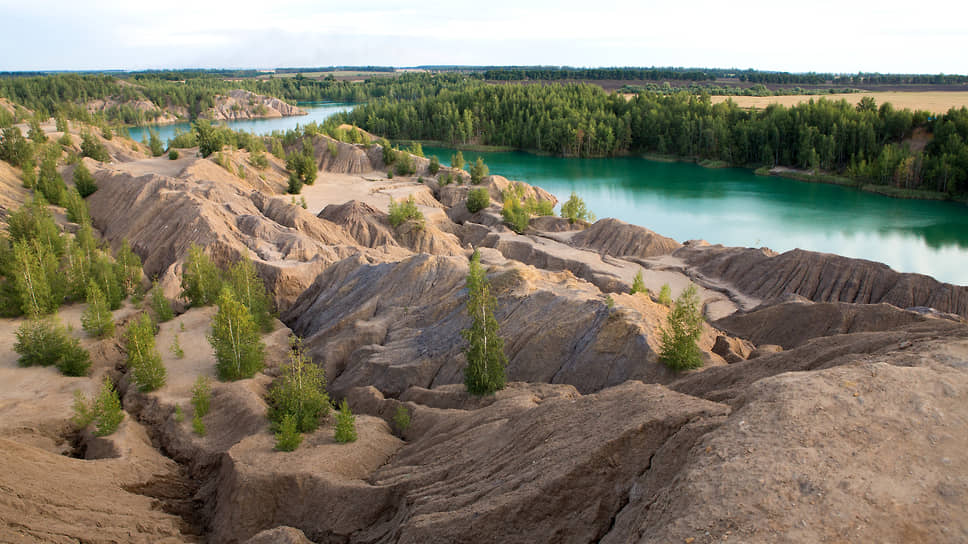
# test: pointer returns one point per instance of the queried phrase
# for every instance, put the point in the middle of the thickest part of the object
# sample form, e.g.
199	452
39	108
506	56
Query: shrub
574	209
416	149
175	348
198	426
389	154
345	424
679	337
182	140
434	166
179	414
50	183
539	207
401	419
665	295
201	281
300	392
638	284
389	174
65	140
201	396
478	171
154	143
515	215
405	165
83	180
288	437
92	147
83	411
30	173
295	184
96	319
333	149
259	160
209	138
160	305
144	361
405	211
173	154
14	148
60	122
239	352
36	133
478	199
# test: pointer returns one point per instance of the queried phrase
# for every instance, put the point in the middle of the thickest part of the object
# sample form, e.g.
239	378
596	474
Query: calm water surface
316	111
737	208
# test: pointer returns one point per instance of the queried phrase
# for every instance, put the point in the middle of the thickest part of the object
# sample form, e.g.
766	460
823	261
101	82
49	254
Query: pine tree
83	180
97	319
107	410
486	361
638	284
250	290
345	424
36	277
679	338
478	171
239	352
200	278
128	268
288	437
144	361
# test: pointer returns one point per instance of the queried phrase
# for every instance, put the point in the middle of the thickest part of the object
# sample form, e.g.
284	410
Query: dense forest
622	74
866	143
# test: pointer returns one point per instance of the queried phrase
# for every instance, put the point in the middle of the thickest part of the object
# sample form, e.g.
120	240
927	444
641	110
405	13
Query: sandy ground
936	102
371	188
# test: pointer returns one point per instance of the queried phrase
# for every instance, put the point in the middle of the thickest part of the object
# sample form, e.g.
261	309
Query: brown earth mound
822	277
241	104
620	239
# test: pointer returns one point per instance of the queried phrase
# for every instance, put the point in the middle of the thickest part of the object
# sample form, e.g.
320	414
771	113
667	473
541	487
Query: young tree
665	295
679	338
300	392
201	280
107	410
143	357
34	268
288	437
43	342
91	147
76	207
638	284
208	137
154	143
457	160
574	209
478	199
159	304
248	287
127	268
83	180
202	396
403	211
434	166
345	424
478	171
486	361
14	148
97	319
239	352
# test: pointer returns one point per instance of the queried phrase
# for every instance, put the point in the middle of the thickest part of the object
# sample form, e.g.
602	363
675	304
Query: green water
737	208
315	111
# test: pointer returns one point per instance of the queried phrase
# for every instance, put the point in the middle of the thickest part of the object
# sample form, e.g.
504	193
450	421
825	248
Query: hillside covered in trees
867	142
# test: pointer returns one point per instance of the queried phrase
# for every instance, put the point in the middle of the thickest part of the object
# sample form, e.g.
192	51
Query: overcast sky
926	36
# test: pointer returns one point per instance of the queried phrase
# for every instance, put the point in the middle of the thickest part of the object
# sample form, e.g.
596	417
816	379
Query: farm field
936	102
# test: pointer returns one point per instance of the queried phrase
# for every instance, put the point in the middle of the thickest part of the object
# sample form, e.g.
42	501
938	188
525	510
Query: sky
927	36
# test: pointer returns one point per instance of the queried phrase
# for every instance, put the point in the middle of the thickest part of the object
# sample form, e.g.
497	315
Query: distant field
936	102
340	75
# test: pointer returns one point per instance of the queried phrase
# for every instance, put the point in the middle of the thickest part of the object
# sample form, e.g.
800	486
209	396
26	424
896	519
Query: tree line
867	143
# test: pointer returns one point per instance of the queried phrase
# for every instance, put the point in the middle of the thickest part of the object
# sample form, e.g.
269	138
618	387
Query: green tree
574	209
248	287
401	419
160	304
434	166
36	133
288	437
96	319
201	281
486	361
107	409
345	424
457	160
35	271
407	210
478	171
638	284
30	173
92	147
680	350
50	183
83	180
478	199
239	352
154	143
76	208
665	295
300	392
144	360
208	137
515	214
14	148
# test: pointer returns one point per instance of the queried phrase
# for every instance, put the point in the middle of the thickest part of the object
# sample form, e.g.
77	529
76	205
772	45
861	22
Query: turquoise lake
723	206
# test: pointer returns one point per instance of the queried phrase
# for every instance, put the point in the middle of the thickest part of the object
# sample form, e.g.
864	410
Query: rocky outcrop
241	104
371	228
822	277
